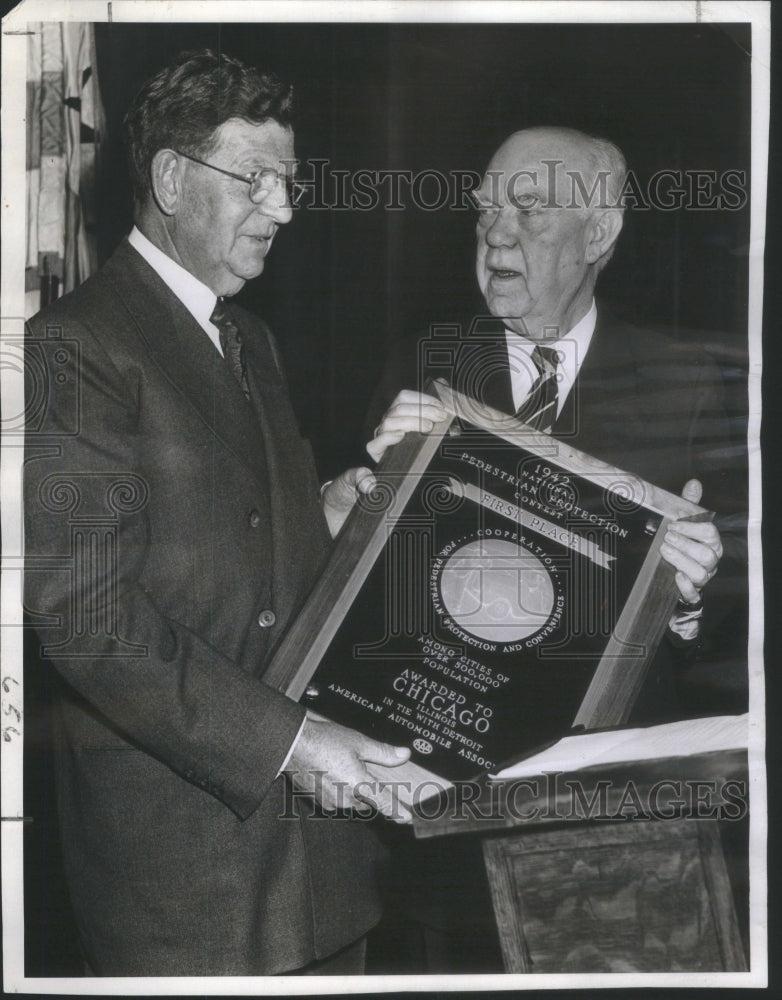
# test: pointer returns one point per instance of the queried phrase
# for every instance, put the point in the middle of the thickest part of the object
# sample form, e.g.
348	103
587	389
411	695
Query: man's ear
166	177
606	227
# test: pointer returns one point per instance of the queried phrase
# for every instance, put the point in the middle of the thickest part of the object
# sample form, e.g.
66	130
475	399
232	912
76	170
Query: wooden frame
607	681
582	863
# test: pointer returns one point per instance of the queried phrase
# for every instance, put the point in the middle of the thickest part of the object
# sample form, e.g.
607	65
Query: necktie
539	410
231	343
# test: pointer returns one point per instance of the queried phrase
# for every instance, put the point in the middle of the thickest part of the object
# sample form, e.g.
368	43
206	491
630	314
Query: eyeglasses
262	182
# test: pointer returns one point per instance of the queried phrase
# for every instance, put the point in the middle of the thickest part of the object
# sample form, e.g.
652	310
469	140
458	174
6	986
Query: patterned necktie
539	410
231	343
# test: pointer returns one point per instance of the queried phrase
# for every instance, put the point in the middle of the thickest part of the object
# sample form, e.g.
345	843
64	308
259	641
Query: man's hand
410	411
329	762
693	548
340	495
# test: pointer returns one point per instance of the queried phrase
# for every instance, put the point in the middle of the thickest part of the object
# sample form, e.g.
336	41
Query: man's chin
230	287
245	274
236	280
505	306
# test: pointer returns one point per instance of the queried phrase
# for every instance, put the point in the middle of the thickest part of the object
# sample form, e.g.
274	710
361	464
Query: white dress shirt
192	293
572	349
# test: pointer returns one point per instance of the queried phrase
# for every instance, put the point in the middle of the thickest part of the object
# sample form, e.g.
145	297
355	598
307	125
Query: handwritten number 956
9	708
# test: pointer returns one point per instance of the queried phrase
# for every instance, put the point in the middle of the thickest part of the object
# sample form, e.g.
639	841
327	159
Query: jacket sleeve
152	681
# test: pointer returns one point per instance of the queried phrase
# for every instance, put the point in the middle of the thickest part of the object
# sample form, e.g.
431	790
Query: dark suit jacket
648	404
164	514
645	403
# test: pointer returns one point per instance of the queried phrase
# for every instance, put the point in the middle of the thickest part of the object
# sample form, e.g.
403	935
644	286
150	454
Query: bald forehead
555	167
574	150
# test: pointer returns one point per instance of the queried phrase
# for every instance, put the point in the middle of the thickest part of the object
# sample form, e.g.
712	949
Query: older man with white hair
549	215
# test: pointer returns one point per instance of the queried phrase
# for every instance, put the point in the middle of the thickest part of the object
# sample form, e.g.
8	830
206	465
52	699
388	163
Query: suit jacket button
255	518
267	618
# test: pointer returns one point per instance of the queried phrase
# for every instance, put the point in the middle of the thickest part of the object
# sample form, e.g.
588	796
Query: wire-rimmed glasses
262	182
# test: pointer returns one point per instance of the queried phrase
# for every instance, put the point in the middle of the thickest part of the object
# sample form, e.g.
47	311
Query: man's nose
274	201
502	232
277	206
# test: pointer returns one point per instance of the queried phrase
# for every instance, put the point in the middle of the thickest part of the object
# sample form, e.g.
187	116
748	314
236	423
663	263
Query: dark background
339	286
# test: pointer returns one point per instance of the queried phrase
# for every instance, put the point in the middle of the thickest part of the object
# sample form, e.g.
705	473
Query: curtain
65	126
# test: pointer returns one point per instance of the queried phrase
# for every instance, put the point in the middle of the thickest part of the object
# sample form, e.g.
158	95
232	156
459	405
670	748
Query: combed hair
181	107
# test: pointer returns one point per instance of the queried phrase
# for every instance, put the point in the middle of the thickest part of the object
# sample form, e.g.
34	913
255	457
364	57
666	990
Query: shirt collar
195	296
572	349
580	334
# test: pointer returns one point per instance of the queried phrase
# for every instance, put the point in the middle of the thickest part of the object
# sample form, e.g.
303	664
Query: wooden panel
596	471
360	542
719	890
365	532
508	905
641	897
322	657
625	662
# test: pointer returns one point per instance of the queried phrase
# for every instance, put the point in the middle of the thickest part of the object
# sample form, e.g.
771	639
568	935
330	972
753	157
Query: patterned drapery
65	125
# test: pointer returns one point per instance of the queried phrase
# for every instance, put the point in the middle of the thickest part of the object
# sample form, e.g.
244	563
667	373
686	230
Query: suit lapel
186	355
483	369
605	391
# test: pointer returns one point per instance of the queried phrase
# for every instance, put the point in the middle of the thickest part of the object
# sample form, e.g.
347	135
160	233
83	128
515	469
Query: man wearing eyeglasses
186	525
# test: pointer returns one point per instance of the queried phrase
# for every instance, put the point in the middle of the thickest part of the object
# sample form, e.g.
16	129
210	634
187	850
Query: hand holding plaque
695	563
496	589
410	411
329	762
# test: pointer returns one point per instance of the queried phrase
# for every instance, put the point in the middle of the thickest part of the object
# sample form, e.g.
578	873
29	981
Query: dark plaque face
480	626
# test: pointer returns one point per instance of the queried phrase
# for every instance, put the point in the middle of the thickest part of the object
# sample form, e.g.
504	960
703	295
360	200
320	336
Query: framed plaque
497	589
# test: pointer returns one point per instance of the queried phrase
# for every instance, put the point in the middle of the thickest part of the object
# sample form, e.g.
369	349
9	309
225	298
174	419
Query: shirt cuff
289	754
685	623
